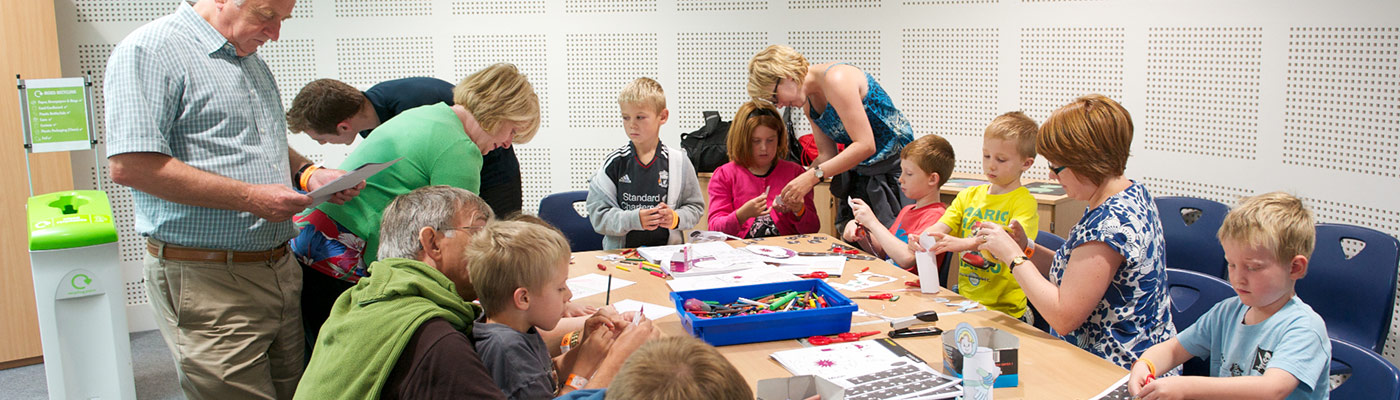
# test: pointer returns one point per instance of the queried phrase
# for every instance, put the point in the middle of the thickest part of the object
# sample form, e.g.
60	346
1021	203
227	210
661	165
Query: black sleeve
500	182
440	363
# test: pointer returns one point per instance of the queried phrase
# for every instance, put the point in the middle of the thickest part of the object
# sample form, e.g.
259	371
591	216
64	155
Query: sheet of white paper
751	276
712	260
802	265
349	180
839	359
591	284
659	253
928	266
650	311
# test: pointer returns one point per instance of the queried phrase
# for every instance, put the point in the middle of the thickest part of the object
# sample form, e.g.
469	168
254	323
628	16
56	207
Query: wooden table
1058	213
1050	368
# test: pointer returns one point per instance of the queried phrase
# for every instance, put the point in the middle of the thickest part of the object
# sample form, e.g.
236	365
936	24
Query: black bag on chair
706	146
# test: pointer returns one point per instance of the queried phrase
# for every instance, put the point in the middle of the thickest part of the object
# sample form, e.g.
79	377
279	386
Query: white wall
1229	98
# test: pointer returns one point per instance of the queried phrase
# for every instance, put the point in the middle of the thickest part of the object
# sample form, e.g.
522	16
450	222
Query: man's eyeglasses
467	228
1057	170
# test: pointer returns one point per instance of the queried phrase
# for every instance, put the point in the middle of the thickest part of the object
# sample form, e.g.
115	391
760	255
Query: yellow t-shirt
993	286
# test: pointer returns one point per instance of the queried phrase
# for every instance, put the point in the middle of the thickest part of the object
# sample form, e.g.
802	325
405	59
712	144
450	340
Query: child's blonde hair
643	91
1277	221
774	63
678	368
932	153
508	255
1015	126
500	93
752	115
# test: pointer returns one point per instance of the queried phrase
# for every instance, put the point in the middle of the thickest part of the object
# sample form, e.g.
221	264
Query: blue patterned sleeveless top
891	130
1133	313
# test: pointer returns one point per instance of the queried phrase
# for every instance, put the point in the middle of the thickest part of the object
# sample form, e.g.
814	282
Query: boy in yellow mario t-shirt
1008	150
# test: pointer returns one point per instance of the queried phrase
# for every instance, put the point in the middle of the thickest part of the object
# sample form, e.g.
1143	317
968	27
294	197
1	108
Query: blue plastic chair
1372	377
558	209
1193	246
1049	240
1192	294
1354	296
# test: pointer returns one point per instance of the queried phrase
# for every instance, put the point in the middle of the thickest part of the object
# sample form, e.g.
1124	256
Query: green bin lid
69	219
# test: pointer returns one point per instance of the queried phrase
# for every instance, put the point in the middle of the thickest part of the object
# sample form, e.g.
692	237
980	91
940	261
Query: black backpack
706	146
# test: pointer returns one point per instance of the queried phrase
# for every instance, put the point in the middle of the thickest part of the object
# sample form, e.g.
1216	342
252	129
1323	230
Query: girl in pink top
740	189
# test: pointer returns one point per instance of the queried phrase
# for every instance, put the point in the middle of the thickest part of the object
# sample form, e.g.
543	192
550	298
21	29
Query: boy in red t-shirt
925	165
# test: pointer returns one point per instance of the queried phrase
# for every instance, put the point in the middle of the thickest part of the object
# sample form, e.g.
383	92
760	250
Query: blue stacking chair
1193	246
1372	377
1354	296
1192	294
1052	242
558	209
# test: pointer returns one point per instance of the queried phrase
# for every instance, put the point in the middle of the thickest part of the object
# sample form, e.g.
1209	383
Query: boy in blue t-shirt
1265	341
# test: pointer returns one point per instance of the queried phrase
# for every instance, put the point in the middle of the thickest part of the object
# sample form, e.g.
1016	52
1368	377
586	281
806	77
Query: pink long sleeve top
732	185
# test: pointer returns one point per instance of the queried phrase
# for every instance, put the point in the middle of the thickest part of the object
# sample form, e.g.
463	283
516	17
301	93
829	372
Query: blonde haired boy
653	372
1008	150
519	271
1264	343
630	198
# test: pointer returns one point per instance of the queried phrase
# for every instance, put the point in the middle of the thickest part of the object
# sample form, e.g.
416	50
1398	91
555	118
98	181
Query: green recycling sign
78	283
56	114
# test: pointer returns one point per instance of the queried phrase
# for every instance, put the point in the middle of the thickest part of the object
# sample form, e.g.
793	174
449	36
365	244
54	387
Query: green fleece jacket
371	323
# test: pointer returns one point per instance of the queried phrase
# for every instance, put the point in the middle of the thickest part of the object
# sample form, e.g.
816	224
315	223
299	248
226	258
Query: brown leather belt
178	253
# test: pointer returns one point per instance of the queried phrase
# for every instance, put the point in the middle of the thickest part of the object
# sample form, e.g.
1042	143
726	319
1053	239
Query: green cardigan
371	323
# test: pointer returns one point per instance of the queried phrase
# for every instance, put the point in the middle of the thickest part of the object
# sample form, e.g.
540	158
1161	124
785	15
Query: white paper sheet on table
349	180
591	284
802	265
648	310
660	253
751	276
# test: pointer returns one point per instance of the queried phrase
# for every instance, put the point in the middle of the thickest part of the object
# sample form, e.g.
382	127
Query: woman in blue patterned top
1105	290
847	107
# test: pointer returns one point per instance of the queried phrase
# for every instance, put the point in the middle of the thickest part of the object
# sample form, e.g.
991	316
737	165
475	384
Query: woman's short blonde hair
773	63
678	368
1275	221
643	91
1091	135
752	115
508	255
500	93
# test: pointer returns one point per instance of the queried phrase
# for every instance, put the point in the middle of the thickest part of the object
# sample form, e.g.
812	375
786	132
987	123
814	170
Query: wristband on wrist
576	382
304	176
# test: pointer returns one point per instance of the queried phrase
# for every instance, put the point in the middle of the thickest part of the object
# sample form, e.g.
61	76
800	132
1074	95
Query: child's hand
753	208
650	217
633	337
852	232
1138	379
668	215
914	245
578	310
594	348
1168	388
604	317
863	214
947	243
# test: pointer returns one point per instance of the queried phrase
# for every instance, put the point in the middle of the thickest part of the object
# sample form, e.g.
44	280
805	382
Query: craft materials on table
1118	391
652	311
777	302
845	359
771	251
800	265
927	265
864	280
591	284
853	256
751	276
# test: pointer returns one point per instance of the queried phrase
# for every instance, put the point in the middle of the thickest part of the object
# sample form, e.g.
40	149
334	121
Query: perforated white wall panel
1227	101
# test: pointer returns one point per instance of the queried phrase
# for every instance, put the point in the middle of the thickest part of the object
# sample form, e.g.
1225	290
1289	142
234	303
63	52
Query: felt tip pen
623	268
751	302
649	264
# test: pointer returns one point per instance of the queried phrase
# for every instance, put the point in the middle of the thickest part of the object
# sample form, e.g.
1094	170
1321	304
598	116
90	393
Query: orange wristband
305	178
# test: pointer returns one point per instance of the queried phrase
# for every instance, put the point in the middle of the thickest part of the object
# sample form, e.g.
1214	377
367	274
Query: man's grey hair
428	206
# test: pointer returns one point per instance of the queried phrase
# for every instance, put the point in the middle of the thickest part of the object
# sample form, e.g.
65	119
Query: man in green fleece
403	331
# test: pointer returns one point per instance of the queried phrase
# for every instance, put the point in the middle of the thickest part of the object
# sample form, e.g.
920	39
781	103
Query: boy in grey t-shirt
518	270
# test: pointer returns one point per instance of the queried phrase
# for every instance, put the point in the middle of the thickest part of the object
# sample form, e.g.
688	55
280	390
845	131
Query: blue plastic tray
834	318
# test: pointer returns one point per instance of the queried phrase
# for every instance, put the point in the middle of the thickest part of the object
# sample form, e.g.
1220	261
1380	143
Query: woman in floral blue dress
1105	290
846	106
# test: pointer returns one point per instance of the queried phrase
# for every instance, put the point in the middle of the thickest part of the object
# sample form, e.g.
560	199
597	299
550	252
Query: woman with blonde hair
1105	290
845	106
439	144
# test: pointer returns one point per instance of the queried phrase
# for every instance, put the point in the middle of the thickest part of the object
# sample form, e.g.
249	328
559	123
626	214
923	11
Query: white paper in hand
349	180
928	266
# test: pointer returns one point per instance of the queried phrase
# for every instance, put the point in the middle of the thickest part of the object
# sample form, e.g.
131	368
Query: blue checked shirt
175	86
